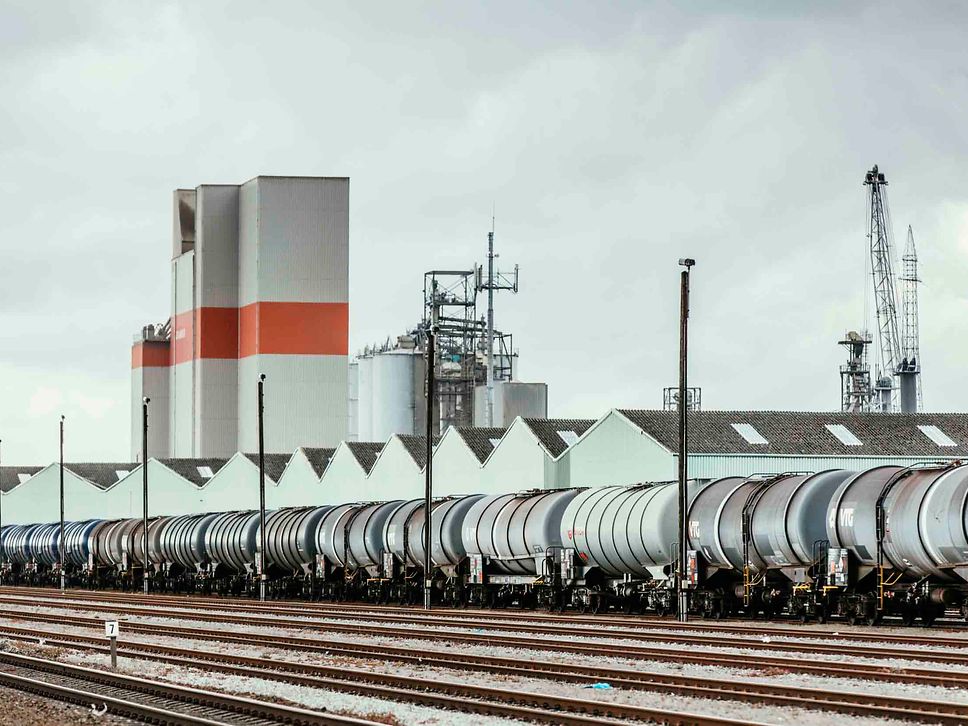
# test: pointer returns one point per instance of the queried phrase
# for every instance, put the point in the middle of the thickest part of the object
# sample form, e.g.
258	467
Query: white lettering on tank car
847	517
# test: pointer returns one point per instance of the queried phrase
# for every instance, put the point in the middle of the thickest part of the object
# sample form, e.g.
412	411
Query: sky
611	139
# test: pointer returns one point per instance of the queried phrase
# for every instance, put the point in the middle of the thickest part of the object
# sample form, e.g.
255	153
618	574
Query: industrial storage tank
394	396
513	530
291	538
98	541
447	528
405	525
231	540
351	535
353	417
624	529
182	540
19	542
926	517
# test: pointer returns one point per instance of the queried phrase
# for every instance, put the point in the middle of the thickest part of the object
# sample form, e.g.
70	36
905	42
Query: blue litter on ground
599	686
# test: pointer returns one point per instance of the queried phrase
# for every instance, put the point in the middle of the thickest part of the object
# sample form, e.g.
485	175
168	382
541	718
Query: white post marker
112	630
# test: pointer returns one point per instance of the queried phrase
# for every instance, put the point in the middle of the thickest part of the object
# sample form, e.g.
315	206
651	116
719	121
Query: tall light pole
429	466
60	539
683	595
262	491
144	468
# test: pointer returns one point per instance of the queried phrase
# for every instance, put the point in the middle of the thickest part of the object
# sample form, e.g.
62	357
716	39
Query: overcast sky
612	138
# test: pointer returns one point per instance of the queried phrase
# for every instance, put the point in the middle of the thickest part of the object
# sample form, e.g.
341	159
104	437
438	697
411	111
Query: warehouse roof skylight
844	434
569	437
937	435
23	477
205	472
494	442
749	432
121	473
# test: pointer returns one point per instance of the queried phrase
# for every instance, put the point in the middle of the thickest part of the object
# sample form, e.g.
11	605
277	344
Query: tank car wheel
852	618
908	616
872	618
822	615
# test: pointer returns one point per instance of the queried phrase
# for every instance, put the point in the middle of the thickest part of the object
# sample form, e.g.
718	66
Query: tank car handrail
752	499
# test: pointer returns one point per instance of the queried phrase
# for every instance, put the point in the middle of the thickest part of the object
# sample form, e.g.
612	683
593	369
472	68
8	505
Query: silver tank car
789	518
231	540
291	538
623	529
351	535
182	540
515	530
155	528
99	541
77	541
785	513
405	531
120	543
926	519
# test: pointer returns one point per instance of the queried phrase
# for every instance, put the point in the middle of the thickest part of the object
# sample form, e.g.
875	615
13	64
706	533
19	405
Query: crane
896	357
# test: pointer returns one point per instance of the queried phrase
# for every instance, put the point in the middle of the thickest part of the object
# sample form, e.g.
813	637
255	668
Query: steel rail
367	626
885	673
699	687
480	618
151	701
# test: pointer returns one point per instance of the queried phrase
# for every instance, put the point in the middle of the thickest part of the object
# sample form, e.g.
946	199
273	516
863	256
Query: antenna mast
909	371
494	281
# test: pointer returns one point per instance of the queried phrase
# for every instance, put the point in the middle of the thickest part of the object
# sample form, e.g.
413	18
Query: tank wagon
888	541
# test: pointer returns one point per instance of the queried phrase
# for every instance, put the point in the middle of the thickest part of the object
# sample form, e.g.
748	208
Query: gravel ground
24	709
315	698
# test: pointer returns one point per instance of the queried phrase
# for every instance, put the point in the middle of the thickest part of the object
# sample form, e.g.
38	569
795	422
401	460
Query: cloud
96	408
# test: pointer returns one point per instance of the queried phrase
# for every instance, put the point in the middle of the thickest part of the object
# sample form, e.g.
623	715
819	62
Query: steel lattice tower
910	341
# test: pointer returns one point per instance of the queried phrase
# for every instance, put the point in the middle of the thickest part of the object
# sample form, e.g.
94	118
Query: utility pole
429	466
683	596
144	468
262	492
60	539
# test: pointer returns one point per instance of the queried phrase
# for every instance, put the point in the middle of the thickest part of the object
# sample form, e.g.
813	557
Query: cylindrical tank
182	540
291	537
511	530
77	541
231	540
44	544
351	535
120	542
790	517
365	397
155	527
99	539
851	521
22	543
447	528
925	514
353	417
405	524
623	529
393	394
719	503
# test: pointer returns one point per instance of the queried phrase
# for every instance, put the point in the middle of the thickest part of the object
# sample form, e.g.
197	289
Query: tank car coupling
947	596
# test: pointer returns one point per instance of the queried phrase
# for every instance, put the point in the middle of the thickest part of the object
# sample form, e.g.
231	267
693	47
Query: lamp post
60	539
262	492
144	468
429	466
683	595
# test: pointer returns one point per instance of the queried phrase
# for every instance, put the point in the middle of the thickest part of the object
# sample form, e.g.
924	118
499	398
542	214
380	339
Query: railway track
537	622
151	701
495	701
506	633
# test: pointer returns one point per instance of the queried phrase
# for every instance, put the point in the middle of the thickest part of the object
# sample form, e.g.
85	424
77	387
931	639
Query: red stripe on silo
294	328
182	338
218	332
150	354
